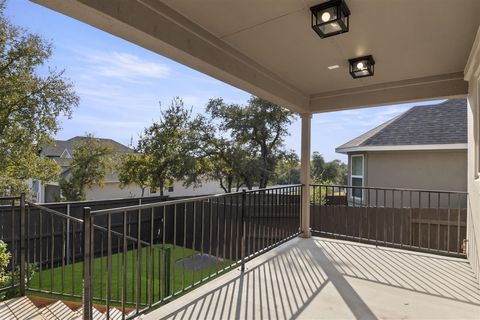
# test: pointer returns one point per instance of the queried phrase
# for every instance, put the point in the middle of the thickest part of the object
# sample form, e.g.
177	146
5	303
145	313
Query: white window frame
352	176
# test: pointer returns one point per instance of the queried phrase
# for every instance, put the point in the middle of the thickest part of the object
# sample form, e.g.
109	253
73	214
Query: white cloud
123	66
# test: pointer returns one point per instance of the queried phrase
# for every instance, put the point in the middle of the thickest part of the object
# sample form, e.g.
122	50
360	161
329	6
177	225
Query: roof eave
418	147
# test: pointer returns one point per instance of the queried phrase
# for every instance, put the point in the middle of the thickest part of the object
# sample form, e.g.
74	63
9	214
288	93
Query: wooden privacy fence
431	223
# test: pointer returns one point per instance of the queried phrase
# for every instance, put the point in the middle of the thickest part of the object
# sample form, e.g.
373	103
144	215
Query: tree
170	146
31	104
317	167
334	171
260	127
135	169
91	161
288	170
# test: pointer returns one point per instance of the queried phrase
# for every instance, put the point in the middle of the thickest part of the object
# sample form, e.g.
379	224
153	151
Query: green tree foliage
31	102
288	170
260	128
92	160
333	172
171	147
135	168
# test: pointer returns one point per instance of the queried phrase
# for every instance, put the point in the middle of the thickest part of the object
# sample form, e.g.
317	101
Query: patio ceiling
268	48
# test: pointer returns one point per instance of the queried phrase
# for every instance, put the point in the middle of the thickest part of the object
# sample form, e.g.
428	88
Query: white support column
305	173
472	75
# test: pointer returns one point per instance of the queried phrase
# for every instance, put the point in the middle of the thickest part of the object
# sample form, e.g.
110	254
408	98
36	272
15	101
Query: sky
123	86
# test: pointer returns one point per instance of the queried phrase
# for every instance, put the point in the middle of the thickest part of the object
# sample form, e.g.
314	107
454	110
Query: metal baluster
419	219
428	220
87	264
410	224
52	250
193	241
243	230
224	227
73	258
63	256
438	221
124	265
402	218
151	270
376	217
210	238
184	242
448	222
174	274
109	265
23	234
458	224
202	243
139	261
162	256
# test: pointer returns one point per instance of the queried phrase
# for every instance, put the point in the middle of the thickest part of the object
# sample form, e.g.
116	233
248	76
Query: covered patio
423	50
319	278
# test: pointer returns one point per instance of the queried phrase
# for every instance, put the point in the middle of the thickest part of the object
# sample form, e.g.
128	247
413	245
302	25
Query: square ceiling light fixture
330	18
362	67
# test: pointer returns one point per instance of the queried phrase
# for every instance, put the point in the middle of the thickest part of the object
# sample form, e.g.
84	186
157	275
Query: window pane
357	166
357	182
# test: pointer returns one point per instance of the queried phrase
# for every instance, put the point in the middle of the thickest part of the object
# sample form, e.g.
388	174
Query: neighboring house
62	151
423	148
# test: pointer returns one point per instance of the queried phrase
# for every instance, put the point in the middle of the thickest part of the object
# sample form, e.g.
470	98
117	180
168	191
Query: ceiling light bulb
326	16
360	65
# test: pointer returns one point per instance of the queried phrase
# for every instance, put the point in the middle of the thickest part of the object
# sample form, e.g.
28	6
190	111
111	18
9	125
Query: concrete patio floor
320	278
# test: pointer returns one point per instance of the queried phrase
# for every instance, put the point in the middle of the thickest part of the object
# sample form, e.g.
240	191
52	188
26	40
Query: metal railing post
244	196
23	235
87	264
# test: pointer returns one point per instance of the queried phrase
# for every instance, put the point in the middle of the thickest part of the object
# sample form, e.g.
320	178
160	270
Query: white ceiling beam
412	90
154	26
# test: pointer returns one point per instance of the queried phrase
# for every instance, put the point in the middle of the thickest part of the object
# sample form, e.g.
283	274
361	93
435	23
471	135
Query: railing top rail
391	189
187	200
54	212
10	198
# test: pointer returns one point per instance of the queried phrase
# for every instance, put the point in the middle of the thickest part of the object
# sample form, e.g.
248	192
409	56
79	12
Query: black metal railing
160	251
423	220
137	257
12	234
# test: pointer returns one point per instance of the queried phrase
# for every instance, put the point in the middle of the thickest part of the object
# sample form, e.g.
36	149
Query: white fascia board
452	146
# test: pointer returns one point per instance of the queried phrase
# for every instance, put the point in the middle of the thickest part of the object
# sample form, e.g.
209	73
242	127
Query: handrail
386	188
180	201
54	212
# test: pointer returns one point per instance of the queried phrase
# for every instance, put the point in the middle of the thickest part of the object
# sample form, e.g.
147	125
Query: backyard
174	271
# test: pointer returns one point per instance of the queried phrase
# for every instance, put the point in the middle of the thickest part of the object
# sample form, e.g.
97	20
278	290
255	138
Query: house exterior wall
430	170
112	190
207	187
426	170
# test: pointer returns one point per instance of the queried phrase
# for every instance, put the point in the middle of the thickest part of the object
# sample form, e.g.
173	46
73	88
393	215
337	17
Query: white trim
452	146
352	176
67	155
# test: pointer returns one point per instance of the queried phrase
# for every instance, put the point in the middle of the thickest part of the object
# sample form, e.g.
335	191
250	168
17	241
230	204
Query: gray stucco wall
432	170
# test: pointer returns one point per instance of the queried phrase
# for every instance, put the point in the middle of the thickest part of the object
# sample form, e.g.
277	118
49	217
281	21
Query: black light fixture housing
330	18
362	67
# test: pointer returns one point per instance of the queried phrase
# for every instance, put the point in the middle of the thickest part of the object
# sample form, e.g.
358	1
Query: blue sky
122	86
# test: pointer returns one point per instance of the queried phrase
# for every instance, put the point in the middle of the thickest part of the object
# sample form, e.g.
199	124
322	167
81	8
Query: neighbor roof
59	146
431	127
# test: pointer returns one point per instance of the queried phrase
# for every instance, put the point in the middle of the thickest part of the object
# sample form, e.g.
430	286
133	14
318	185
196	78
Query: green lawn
179	278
